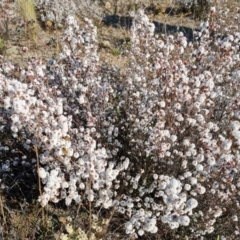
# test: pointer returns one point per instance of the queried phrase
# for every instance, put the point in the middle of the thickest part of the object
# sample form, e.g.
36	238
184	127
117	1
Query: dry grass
27	11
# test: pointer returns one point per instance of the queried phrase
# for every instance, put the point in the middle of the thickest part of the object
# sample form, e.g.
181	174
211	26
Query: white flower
199	167
211	161
42	173
69	228
173	138
187	187
126	163
140	232
162	104
174	183
68	200
15	118
81	99
128	226
155	176
165	218
227	144
54	173
173	225
184	220
183	42
90	195
191	203
14	129
70	20
39	71
43	199
162	185
82	186
218	213
193	180
65	184
235	218
63	236
210	229
213	9
64	128
60	108
70	152
186	142
151	28
181	50
154	229
201	189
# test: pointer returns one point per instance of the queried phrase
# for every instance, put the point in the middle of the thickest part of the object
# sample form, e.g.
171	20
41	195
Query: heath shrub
157	142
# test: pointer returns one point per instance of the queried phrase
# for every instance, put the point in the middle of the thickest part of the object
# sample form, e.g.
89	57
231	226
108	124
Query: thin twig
2	211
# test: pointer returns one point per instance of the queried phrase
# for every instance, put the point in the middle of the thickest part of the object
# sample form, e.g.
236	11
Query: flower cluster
157	141
56	12
7	14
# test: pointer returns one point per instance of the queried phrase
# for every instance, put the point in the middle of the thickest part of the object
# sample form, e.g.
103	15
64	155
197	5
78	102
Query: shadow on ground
126	22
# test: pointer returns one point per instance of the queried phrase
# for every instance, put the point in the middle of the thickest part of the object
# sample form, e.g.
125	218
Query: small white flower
82	186
140	232
63	236
218	213
184	220
186	142
193	180
213	9
68	200
65	184
235	218
151	29
69	228
70	20
126	163
162	104
227	144
211	161
128	226
42	173
155	176
192	203
81	99
210	229
165	218
173	225
187	187
14	129
173	138
90	196
53	173
199	167
154	229
15	118
201	189
39	71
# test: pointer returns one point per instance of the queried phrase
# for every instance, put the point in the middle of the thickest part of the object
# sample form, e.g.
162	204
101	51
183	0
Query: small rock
105	44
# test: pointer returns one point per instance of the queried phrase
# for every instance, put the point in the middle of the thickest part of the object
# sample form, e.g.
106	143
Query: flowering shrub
158	143
7	14
56	11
